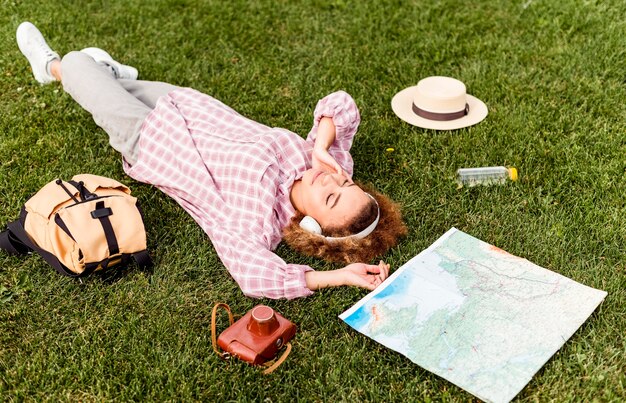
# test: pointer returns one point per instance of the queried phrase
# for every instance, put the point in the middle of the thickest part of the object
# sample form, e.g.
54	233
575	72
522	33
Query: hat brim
402	105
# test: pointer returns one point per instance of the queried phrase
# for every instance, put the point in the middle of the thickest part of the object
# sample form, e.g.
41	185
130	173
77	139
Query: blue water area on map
362	315
359	318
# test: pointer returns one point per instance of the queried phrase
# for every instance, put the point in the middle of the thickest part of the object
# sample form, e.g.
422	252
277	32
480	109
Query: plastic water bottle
485	176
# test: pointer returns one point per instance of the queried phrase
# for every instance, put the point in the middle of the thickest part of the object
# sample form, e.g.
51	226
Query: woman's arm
356	274
321	159
336	120
325	133
261	273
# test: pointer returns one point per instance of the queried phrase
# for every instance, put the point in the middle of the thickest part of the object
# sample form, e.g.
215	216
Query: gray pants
117	106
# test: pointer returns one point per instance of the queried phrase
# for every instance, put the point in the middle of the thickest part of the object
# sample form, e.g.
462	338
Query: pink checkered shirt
234	175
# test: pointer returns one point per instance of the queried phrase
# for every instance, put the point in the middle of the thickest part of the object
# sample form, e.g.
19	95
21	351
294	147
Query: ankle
53	67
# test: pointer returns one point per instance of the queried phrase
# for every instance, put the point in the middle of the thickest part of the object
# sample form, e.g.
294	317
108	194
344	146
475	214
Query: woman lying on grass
247	185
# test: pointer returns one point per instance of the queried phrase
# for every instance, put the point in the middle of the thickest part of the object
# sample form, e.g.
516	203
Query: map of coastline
475	315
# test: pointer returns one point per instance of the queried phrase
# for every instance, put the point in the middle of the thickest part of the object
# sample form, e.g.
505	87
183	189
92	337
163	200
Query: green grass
552	74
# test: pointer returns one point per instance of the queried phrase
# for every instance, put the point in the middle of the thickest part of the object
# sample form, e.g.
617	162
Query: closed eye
339	195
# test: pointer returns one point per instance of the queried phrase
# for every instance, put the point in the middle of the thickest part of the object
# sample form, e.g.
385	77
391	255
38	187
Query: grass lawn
551	72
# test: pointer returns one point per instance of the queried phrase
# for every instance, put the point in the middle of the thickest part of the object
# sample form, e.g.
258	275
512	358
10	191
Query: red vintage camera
255	338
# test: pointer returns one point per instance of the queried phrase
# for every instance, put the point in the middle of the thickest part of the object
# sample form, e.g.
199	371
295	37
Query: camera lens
262	313
263	321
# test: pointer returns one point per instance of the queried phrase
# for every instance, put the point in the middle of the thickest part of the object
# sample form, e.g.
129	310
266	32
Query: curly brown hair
386	235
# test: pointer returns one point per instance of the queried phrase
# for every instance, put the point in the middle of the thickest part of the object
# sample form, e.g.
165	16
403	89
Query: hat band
440	116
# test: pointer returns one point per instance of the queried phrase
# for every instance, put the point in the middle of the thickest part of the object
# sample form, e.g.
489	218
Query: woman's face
332	199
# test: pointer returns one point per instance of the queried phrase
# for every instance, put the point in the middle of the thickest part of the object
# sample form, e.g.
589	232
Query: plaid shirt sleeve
343	110
259	272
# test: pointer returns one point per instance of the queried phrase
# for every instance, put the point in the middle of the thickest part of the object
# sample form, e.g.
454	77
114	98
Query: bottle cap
513	174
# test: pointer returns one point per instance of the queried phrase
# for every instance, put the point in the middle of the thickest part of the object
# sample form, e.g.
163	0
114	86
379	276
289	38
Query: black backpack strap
85	194
18	231
11	244
102	213
143	260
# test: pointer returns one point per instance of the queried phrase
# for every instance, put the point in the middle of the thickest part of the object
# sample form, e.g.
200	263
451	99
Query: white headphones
310	224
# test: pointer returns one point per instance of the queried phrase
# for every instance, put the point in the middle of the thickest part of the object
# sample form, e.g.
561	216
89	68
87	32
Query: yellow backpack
88	224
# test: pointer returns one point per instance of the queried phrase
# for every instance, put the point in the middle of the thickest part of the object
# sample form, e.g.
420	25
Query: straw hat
439	103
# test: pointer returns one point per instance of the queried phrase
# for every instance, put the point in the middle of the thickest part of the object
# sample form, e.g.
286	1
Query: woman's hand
322	160
363	275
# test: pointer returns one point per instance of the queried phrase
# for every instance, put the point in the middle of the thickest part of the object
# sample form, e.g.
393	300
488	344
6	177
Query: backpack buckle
101	212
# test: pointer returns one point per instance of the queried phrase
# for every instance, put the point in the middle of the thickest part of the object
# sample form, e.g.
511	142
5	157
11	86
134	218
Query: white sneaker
120	70
33	45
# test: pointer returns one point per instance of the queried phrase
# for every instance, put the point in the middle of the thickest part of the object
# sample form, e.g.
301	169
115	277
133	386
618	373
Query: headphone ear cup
310	224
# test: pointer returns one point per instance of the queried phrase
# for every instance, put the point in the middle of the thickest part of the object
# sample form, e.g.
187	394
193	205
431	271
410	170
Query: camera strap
222	354
270	366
